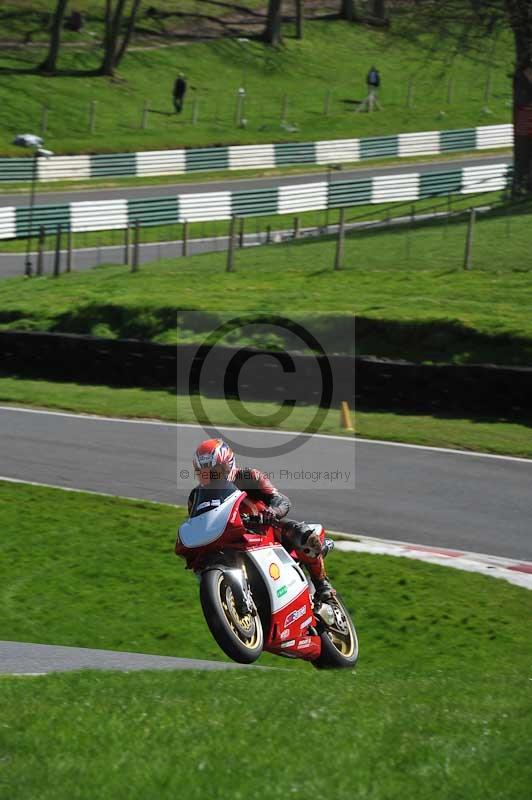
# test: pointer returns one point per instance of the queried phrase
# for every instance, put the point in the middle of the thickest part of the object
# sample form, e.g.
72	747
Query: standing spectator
180	88
373	80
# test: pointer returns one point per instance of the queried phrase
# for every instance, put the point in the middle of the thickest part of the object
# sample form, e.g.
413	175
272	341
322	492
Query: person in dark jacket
373	78
180	88
214	460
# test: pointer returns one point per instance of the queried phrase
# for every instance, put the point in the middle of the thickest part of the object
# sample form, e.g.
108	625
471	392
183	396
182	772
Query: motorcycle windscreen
210	523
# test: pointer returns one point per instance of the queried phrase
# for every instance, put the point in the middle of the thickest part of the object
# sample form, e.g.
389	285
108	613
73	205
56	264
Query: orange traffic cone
345	417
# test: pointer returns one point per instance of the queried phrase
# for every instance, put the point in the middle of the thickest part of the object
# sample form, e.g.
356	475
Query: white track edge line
332	437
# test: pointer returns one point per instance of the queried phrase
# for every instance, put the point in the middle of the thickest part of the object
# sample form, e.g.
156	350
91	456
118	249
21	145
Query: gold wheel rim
231	614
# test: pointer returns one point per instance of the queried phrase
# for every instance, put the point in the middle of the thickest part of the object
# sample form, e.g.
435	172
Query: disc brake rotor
245	625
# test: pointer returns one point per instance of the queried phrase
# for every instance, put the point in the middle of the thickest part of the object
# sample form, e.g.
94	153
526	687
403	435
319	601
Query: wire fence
446	234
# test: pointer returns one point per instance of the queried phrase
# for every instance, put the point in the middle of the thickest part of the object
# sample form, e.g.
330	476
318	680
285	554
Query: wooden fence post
57	254
92	117
338	261
70	248
145	110
136	247
468	257
231	246
126	245
185	237
284	112
40	251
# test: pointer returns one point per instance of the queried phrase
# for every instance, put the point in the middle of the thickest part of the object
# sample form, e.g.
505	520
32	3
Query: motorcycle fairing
209	526
291	581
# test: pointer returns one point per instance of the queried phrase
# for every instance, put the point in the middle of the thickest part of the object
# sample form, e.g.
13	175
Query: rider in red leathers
214	460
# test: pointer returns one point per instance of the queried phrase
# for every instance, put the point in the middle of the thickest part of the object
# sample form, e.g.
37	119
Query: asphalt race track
20	658
232	184
403	493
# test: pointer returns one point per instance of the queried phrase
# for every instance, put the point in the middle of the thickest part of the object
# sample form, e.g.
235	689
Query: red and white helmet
214	456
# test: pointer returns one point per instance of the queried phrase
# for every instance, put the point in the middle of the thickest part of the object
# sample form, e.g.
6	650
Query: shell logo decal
275	572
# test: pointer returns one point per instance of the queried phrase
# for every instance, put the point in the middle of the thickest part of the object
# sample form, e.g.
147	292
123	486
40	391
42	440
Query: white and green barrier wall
99	215
261	156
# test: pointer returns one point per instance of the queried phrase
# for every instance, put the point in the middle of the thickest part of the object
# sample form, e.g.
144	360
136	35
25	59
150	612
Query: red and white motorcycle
254	594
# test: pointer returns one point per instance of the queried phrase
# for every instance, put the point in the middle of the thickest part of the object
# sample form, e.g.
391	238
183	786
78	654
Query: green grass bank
306	90
407	287
442	687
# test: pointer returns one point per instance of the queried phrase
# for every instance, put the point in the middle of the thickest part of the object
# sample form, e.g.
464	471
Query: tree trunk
49	64
348	10
112	31
520	17
379	9
128	34
299	19
272	32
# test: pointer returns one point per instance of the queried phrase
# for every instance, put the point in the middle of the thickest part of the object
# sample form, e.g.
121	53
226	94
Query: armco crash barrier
261	156
99	215
265	375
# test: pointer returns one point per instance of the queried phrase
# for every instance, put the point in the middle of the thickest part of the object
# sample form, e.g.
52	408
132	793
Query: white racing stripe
332	437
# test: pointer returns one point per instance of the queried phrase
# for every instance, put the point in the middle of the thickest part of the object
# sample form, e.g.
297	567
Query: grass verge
407	287
442	686
502	437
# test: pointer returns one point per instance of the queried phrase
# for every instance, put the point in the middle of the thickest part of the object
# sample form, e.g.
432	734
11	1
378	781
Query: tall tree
49	65
471	27
272	32
299	18
113	48
519	14
348	10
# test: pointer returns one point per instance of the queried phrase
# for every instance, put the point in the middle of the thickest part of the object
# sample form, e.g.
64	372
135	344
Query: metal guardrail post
268	234
57	254
241	232
338	261
185	237
231	246
469	240
296	228
136	247
40	251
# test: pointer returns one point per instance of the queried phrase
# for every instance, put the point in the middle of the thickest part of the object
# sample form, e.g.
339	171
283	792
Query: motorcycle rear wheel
339	642
240	637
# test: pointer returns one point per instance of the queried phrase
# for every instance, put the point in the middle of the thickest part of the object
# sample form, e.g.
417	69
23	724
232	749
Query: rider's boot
324	590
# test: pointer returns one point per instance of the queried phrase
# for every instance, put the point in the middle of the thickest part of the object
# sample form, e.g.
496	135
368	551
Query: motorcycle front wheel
240	637
339	641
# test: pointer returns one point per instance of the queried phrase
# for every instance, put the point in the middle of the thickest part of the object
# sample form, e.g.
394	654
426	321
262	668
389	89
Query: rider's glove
269	517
